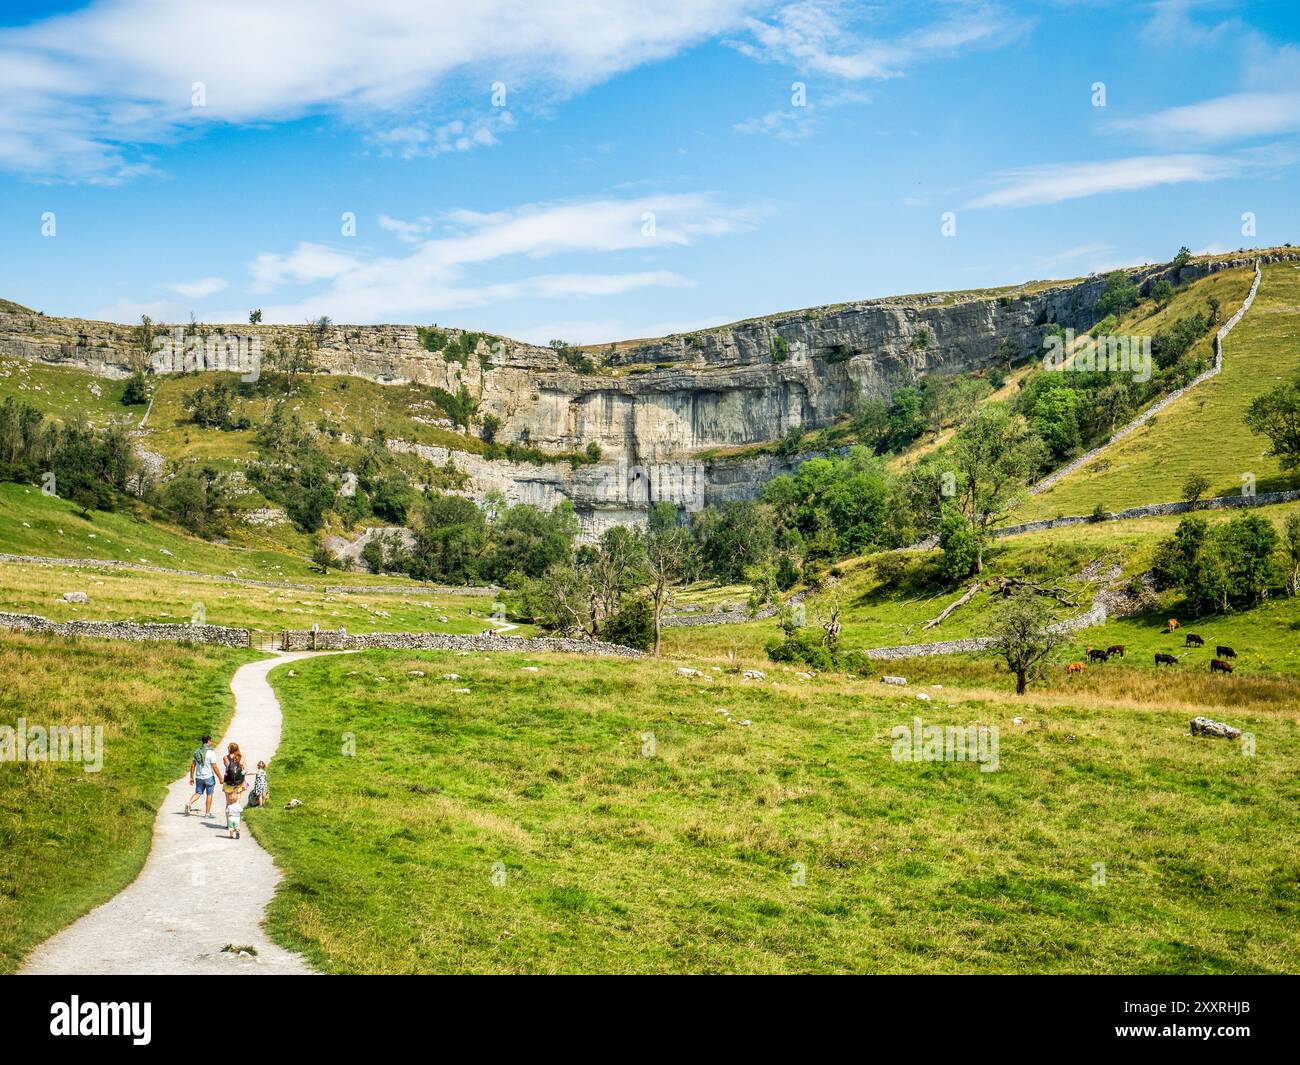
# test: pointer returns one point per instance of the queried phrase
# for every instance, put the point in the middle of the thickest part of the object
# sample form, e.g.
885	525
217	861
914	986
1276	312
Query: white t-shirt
232	815
208	770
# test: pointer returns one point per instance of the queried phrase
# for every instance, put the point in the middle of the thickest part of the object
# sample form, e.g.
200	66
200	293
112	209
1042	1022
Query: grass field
47	526
1204	431
528	827
70	838
143	596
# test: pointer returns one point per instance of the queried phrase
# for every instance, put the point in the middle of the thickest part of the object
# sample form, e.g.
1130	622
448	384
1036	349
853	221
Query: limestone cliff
652	406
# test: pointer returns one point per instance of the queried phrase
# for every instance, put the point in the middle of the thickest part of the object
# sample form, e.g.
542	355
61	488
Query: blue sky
649	169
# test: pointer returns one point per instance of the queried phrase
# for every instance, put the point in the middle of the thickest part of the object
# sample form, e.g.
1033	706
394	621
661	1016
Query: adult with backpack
233	780
203	776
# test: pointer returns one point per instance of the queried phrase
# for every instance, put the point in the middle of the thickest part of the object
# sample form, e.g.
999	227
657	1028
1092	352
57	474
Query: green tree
668	559
1024	635
960	545
1291	545
1276	415
993	457
1194	487
1163	293
1119	295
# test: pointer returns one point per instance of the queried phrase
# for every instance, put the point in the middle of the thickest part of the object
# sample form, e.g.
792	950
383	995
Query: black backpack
234	773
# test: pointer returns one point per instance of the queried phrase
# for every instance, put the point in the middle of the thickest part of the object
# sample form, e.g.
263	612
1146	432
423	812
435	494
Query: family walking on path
170	920
234	782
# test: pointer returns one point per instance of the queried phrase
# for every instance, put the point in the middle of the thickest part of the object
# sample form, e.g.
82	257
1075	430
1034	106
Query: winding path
199	890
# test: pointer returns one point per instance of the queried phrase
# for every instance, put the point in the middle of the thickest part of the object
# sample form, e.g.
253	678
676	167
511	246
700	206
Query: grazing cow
1097	655
1165	660
1225	652
1173	624
1116	649
1218	665
1193	640
1074	667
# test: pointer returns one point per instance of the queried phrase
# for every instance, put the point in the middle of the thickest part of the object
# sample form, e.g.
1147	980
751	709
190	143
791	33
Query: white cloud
1239	116
407	232
82	89
416	141
433	276
1055	182
203	287
799	123
821	36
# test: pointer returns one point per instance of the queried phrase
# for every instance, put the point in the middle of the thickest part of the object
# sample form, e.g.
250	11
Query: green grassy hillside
1204	431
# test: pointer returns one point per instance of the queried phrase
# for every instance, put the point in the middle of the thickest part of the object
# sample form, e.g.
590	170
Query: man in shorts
203	776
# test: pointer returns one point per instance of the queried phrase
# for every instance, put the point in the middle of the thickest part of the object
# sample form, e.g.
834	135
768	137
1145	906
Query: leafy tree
632	625
323	560
1163	293
1024	635
993	458
1276	414
489	428
255	317
1182	258
733	537
618	565
200	500
1291	546
960	546
668	559
1119	295
136	393
290	358
449	541
1195	486
142	339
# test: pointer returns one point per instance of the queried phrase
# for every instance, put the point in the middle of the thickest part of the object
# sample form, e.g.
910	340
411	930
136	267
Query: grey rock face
653	407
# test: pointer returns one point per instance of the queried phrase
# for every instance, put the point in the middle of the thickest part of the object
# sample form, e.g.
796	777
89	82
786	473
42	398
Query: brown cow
1073	668
1165	660
1218	665
1116	649
1173	624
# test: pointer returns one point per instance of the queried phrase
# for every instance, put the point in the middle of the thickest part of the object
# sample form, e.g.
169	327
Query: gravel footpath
199	889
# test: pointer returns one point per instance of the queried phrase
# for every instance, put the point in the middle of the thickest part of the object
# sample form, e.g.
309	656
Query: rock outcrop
651	406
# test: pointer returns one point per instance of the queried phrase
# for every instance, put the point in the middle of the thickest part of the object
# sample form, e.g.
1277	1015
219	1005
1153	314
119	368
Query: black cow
1097	655
1225	652
1193	641
1165	660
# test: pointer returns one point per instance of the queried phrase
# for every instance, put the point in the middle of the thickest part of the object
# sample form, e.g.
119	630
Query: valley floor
589	818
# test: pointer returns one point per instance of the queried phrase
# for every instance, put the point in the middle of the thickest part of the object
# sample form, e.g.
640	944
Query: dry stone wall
333	640
133	631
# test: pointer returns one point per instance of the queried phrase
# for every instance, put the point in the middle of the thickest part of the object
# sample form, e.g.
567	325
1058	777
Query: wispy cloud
1057	182
84	90
1239	116
797	123
200	289
435	275
829	37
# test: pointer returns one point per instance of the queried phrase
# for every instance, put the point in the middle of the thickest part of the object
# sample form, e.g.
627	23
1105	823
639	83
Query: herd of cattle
1218	664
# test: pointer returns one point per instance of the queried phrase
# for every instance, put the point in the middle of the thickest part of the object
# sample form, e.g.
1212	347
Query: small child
232	819
261	787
